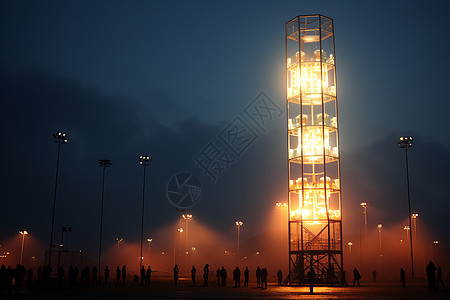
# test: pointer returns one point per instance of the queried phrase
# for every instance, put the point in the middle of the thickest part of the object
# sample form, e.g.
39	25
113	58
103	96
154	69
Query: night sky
165	78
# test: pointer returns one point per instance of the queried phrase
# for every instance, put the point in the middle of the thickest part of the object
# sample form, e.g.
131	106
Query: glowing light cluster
309	79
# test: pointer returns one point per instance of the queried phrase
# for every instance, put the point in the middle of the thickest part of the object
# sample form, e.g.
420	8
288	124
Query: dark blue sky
163	78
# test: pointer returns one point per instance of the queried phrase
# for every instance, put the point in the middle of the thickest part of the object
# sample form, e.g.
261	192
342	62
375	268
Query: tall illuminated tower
315	227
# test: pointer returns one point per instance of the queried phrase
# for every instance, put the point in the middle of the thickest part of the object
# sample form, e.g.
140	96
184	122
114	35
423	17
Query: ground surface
165	289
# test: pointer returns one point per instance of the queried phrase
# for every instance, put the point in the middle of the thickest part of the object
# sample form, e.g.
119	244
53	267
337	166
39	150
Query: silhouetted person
106	274
142	275
264	275
29	276
431	269
20	273
439	278
218	277
117	275
237	277
60	275
124	274
193	271
205	275
223	276
311	279
246	276
258	277
356	277
280	277
374	275
94	275
148	275
39	275
175	274
403	277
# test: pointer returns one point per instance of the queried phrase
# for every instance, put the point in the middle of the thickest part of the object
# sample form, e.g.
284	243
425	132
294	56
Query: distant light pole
149	241
350	244
187	217
380	226
59	138
102	163
238	224
118	239
405	143
23	233
364	205
433	250
61	243
281	205
180	230
145	162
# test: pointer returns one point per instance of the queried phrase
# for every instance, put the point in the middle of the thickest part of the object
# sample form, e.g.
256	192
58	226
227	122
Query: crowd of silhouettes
12	279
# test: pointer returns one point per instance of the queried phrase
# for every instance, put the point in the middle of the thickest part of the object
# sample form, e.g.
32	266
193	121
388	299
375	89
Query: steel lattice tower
315	227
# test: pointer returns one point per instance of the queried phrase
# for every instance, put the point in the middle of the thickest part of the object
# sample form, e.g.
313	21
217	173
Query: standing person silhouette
246	276
142	275
356	277
193	271
403	277
431	274
106	274
258	277
117	275
280	276
439	278
218	277
124	274
175	274
148	275
205	275
223	276
311	279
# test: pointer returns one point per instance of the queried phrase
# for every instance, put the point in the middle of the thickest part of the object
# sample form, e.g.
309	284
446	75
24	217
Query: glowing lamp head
239	223
380	226
435	242
23	232
119	239
414	216
279	204
350	243
149	240
144	160
186	216
180	230
365	204
406	227
405	142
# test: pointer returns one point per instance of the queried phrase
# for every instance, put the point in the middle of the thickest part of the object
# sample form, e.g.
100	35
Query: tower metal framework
315	224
